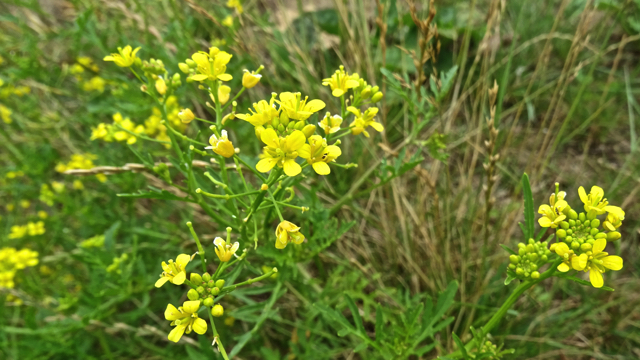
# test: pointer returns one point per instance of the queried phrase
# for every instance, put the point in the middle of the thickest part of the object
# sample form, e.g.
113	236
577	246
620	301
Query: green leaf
508	249
334	315
510	277
344	332
445	300
423	350
360	347
583	282
529	213
460	345
379	323
355	312
147	161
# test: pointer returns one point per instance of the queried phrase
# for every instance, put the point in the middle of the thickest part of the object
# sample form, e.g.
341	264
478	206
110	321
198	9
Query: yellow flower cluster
84	65
124	130
80	161
31	229
5	114
12	260
583	240
10	90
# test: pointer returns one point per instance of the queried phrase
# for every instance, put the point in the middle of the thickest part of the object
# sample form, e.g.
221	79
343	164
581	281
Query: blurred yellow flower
264	113
5	114
288	231
174	271
319	155
185	319
250	79
235	4
331	124
161	86
221	146
225	250
227	21
297	108
340	82
124	58
281	152
186	116
362	121
212	65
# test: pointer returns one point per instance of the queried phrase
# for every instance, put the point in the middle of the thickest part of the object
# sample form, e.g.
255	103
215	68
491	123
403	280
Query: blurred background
566	111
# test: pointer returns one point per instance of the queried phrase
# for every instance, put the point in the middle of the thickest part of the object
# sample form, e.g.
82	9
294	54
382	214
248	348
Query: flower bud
375	89
582	217
593	231
309	130
206	277
211	283
275	122
183	67
585	247
284	118
366	93
217	310
600	236
565	225
193	295
215	291
575	245
595	223
561	233
208	302
544	258
535	275
591	215
186	115
196	279
281	128
514	259
376	97
264	187
220	283
250	79
161	86
192	64
200	290
613	236
299	125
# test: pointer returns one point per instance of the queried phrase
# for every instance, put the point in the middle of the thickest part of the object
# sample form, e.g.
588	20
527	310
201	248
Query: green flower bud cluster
153	66
529	259
207	289
491	351
580	231
366	92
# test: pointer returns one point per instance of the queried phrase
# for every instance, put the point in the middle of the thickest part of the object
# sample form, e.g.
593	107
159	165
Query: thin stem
141	136
250	168
183	137
216	337
275	205
207	121
200	248
234	98
251	281
226	196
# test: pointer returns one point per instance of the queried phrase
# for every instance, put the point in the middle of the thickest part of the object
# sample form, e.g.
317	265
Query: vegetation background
567	111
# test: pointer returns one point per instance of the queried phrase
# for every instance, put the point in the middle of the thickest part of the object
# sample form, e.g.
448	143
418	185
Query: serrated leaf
355	313
334	315
445	300
529	213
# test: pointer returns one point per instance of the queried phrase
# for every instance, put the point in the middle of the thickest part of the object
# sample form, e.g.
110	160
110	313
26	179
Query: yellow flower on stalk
596	203
36	228
340	82
264	113
221	146
614	220
331	124
319	155
228	21
186	116
281	151
225	251
288	231
174	271
18	231
235	4
596	262
362	121
250	79
562	249
124	58
223	94
552	216
212	65
297	108
185	319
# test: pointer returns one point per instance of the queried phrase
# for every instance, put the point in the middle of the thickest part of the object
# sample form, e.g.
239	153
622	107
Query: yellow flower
264	114
5	114
235	4
77	184
614	220
250	79
161	86
596	203
331	124
186	116
43	214
362	121
223	250
596	262
297	108
57	186
565	253
174	271
217	310
124	58
25	204
18	232
319	155
340	82
281	152
221	146
552	217
35	229
185	319
95	84
223	94
287	231
228	21
211	66
88	63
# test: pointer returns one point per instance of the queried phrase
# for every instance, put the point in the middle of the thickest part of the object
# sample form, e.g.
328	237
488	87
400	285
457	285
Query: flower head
565	253
287	231
281	151
596	262
264	114
221	146
250	79
362	121
596	203
212	65
186	116
124	58
225	250
614	219
297	108
174	271
341	81
318	154
185	319
552	216
331	124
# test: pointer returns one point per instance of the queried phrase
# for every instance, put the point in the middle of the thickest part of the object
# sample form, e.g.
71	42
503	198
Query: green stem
251	281
216	336
200	248
226	196
181	136
140	136
234	98
256	172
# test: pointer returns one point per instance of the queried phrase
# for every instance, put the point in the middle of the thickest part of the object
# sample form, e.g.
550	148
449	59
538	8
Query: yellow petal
597	192
352	84
291	167
333	151
337	92
177	333
377	126
191	306
561	248
265	165
583	195
596	278
321	168
199	77
612	262
598	246
161	281
201	60
305	151
270	137
564	267
579	262
354	110
182	260
294	141
171	313
287	96
179	278
225	77
544	209
544	221
109	58
200	326
615	210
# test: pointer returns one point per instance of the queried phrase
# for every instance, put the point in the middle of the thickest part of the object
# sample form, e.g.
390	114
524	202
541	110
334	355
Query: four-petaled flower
319	155
287	231
552	216
212	65
222	145
565	253
596	262
124	58
264	114
341	81
281	151
331	124
596	203
174	271
250	79
225	250
297	108
362	121
185	319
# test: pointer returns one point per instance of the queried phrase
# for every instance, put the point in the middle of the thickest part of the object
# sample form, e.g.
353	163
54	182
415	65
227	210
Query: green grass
384	237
